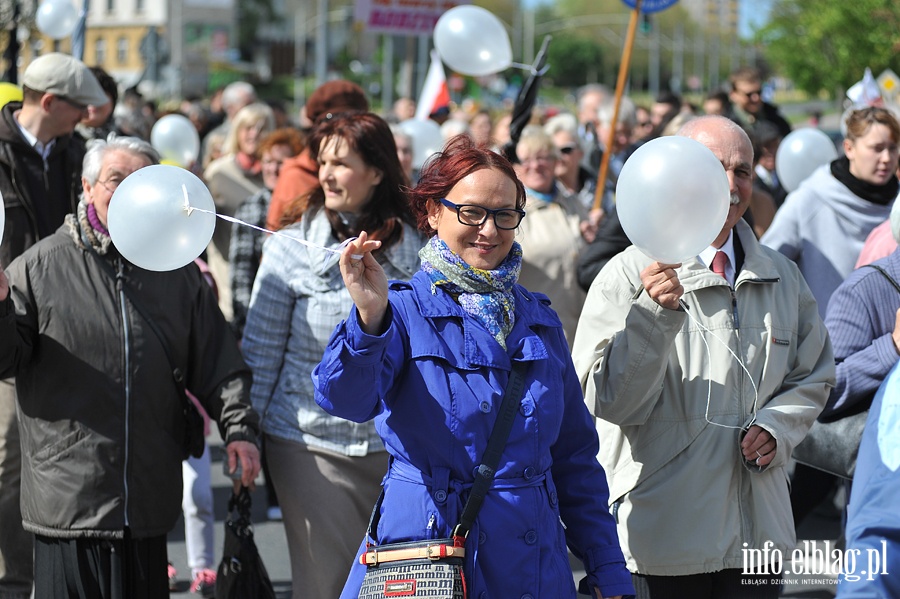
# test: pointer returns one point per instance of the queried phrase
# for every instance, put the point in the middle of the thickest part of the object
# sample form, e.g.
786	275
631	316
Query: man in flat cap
40	179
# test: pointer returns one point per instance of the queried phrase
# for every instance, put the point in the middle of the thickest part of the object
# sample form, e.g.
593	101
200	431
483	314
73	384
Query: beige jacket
550	235
685	500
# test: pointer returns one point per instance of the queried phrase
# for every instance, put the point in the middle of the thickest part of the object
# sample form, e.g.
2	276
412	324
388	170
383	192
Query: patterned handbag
434	567
431	568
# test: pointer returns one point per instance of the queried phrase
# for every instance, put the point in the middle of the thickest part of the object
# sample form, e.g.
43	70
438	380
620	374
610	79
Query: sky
753	13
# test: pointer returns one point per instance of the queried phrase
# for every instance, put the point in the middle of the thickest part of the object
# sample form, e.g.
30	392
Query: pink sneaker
173	577
204	583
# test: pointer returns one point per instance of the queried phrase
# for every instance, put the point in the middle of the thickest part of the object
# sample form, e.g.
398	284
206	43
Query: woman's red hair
459	158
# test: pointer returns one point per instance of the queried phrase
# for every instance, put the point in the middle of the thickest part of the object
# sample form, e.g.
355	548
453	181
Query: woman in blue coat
429	360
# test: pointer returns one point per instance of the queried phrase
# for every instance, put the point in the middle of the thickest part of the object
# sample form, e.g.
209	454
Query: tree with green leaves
825	46
574	61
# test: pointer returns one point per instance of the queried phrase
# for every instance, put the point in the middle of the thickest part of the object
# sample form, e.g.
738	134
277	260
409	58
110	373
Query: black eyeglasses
566	149
475	216
111	184
751	93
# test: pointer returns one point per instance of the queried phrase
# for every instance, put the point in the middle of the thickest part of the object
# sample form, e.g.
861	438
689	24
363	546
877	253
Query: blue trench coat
433	382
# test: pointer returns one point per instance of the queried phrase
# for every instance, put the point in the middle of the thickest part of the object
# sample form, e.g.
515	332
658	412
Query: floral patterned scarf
486	295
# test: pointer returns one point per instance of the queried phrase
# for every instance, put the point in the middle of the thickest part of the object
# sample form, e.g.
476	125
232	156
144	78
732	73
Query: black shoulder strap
177	373
886	276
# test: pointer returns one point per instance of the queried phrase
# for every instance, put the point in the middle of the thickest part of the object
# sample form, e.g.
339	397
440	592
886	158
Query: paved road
272	545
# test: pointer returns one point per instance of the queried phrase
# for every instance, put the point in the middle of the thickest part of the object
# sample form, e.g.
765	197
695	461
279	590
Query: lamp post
78	36
322	42
11	53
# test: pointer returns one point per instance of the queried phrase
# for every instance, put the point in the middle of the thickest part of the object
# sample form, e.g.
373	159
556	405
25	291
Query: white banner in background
402	17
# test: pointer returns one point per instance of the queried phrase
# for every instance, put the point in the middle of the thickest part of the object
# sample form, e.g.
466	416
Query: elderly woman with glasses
428	360
558	227
571	174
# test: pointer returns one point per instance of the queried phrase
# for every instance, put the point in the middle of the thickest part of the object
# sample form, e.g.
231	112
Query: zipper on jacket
120	288
734	314
46	178
430	526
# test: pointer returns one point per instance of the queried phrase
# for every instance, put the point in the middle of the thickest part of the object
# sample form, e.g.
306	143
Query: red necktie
720	261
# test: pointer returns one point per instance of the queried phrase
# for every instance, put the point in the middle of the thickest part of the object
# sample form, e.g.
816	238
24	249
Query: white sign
402	17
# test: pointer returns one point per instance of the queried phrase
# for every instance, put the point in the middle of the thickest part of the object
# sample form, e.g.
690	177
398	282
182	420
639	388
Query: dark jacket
99	412
35	204
610	240
769	113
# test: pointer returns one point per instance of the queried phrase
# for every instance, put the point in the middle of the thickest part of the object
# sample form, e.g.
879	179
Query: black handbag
241	573
194	441
832	446
434	567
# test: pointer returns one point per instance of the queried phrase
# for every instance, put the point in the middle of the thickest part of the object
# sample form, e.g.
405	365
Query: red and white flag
435	93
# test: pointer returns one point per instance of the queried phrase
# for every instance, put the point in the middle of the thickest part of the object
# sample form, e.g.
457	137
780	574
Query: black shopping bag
241	573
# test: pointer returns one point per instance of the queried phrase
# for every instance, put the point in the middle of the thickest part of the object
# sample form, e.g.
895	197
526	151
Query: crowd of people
359	356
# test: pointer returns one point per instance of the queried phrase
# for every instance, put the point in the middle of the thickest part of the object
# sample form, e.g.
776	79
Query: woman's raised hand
366	282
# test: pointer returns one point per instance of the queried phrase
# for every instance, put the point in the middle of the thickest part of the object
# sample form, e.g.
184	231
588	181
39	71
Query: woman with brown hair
326	470
823	225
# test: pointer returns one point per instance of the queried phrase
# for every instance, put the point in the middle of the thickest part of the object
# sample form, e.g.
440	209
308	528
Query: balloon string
530	68
709	378
231	219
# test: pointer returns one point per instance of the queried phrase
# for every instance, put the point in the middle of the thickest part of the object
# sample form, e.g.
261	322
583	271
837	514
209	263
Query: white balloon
426	139
472	41
672	198
56	18
149	224
176	139
801	152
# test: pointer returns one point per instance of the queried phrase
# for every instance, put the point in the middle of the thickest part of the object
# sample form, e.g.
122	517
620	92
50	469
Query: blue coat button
553	498
440	496
526	409
527	596
485	407
482	538
529	473
531	537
